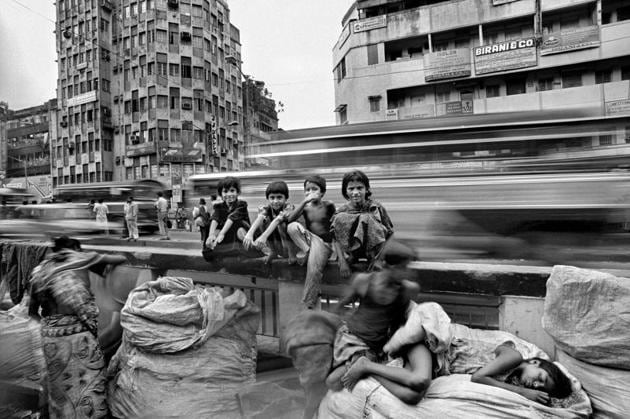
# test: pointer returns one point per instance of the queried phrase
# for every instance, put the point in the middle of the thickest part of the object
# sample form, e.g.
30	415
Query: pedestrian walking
162	213
101	211
131	218
202	220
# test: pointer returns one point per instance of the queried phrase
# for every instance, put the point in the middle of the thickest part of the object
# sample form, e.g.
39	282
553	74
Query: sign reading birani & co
570	40
508	55
447	64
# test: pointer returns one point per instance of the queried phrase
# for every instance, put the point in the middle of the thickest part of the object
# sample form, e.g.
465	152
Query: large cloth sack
171	314
21	355
201	380
607	387
586	313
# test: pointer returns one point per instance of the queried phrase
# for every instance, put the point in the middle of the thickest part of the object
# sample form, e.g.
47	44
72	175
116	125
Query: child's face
356	192
533	376
382	290
313	189
229	195
276	200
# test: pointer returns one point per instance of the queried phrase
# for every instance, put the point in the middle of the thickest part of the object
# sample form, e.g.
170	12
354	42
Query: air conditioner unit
115	99
63	124
223	151
185	36
187	106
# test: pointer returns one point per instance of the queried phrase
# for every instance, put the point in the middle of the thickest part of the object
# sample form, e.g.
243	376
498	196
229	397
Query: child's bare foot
355	372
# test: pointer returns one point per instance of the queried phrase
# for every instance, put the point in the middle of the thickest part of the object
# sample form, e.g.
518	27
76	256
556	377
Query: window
173	70
603	76
372	51
442	95
105	85
545	84
571	79
343	115
375	103
341	69
605	140
162	101
515	86
493	90
186	68
625	73
174	94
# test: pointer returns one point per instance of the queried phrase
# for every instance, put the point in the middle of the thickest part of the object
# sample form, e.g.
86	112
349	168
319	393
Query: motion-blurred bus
483	185
10	199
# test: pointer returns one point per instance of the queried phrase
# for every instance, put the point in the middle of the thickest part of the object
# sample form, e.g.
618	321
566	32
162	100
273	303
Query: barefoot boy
274	240
229	216
314	238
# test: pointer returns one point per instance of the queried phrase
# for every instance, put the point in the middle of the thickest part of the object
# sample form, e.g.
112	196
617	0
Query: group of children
309	233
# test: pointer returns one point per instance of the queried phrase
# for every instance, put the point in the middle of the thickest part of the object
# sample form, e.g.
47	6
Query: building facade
413	59
25	155
146	88
261	117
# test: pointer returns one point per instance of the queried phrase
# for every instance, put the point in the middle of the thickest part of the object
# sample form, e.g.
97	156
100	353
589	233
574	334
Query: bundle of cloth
449	395
586	313
186	351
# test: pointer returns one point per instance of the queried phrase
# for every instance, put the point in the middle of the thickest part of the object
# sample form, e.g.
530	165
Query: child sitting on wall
274	240
230	216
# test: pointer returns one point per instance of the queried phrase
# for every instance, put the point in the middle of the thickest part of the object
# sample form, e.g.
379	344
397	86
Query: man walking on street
162	212
131	218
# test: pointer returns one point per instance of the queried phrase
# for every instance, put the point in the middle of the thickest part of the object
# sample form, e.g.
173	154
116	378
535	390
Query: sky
285	43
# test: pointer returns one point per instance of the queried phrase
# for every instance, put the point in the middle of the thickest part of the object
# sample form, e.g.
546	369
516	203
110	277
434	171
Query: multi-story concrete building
25	155
405	59
144	86
261	117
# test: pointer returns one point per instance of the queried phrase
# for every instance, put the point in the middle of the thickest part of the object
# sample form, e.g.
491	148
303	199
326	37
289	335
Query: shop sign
509	55
82	99
453	108
365	25
140	149
570	40
447	64
345	34
618	107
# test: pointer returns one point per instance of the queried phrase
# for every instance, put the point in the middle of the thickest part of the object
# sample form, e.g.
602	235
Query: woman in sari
60	286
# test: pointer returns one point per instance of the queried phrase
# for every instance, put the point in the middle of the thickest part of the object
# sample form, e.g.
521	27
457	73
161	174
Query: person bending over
384	298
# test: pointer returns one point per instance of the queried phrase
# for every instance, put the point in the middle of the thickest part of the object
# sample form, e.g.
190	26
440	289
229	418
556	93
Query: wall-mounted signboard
508	55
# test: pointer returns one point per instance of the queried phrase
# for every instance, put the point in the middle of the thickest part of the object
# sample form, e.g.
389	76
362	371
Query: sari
74	361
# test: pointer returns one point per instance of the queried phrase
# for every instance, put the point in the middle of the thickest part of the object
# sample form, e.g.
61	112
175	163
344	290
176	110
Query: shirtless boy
313	238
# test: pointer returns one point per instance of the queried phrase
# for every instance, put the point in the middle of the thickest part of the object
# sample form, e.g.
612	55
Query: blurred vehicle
10	199
475	215
52	220
115	195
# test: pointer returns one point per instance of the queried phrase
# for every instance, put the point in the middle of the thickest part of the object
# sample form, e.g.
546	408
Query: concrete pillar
522	316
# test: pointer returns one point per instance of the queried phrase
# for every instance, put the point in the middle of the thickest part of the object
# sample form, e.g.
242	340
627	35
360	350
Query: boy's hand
210	241
248	241
259	244
219	238
536	395
313	196
344	269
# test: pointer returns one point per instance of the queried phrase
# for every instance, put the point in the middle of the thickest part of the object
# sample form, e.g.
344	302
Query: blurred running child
360	227
313	238
229	216
274	240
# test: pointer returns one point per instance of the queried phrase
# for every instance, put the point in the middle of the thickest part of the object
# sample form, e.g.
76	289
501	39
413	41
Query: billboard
447	64
508	55
570	40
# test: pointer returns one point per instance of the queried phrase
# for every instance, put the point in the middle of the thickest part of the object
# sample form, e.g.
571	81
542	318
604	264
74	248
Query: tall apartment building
24	148
406	59
147	89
